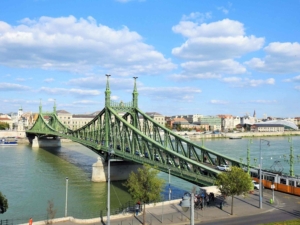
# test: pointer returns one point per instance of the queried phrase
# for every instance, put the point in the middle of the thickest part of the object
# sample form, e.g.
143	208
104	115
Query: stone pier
45	142
119	170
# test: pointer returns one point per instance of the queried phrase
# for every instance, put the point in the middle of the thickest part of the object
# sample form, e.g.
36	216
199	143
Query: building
286	124
6	119
214	122
193	118
74	121
268	127
158	118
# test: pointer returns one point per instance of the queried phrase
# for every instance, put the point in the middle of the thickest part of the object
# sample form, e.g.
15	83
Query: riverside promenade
170	212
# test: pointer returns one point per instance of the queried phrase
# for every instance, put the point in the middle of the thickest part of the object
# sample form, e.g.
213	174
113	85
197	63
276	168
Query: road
287	209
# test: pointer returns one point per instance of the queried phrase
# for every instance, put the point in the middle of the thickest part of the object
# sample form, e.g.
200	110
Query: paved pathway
171	212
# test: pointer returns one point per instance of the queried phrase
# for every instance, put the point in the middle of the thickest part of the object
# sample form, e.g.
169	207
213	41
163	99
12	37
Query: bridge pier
45	142
119	170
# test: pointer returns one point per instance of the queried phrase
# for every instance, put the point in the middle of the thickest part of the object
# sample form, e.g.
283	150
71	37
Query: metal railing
6	222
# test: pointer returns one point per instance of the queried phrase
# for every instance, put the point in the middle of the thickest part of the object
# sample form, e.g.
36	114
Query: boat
235	137
7	141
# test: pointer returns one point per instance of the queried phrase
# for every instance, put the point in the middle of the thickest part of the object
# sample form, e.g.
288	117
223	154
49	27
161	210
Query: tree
145	186
3	203
4	126
50	212
234	182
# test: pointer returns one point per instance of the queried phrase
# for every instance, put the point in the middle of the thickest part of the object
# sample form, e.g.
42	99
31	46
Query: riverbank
197	135
189	135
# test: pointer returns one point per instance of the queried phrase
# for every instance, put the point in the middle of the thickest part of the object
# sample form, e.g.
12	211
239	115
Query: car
138	153
157	157
170	162
127	149
223	167
256	185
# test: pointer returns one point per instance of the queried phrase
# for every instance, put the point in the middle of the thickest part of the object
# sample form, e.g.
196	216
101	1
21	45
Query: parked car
223	167
256	185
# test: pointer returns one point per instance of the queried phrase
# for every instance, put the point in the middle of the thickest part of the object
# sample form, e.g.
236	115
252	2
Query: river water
31	177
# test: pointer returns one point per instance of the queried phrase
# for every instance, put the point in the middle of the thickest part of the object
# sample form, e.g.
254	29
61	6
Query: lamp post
188	202
111	151
291	157
169	185
248	155
260	172
66	206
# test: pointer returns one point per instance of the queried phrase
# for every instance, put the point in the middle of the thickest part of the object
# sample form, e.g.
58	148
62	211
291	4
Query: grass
288	222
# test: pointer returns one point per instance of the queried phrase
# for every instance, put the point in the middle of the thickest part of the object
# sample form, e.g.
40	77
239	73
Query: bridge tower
120	170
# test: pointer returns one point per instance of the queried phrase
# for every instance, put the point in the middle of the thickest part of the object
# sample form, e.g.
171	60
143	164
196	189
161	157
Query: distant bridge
138	138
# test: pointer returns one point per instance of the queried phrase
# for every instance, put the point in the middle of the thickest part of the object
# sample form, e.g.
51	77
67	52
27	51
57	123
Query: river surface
31	177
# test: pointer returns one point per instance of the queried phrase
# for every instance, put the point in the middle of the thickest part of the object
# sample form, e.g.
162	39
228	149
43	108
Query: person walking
30	221
137	208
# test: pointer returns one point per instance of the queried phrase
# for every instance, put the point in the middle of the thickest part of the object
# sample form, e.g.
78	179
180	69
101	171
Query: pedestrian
207	200
30	221
137	208
201	203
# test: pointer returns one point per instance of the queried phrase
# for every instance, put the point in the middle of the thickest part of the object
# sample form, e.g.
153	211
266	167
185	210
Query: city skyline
192	57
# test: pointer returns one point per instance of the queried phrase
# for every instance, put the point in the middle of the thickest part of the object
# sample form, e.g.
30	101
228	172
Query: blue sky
190	57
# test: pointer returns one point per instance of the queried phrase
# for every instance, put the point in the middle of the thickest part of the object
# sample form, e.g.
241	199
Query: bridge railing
121	104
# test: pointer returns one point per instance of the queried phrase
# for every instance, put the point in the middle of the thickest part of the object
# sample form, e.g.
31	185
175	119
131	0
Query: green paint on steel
137	137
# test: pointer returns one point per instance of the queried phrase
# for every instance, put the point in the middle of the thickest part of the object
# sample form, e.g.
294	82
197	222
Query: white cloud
260	101
226	66
211	49
85	102
194	76
13	87
78	45
218	40
49	80
281	58
294	79
72	91
197	16
218	102
246	82
99	82
223	9
174	93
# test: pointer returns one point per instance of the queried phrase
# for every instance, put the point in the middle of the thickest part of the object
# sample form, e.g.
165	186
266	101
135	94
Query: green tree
3	203
145	186
234	182
4	126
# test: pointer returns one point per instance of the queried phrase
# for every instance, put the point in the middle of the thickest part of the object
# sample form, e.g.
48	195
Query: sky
190	56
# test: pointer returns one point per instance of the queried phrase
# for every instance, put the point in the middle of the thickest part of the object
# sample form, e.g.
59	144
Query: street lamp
111	151
66	206
188	202
169	185
260	172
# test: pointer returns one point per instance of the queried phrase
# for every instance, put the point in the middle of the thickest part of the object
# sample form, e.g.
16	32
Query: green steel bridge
122	128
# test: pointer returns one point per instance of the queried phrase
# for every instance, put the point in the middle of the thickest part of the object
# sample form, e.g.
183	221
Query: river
31	177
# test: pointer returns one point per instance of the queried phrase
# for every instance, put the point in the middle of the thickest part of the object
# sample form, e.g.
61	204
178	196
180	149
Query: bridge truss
132	135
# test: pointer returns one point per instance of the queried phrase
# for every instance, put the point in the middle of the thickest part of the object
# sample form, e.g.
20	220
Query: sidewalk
171	212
